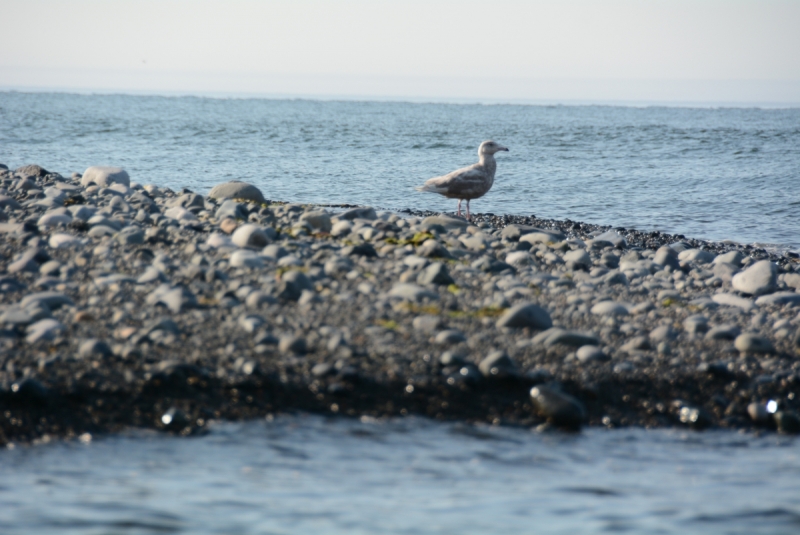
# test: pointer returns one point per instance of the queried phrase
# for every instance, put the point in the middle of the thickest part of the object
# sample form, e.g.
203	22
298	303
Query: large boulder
104	176
237	190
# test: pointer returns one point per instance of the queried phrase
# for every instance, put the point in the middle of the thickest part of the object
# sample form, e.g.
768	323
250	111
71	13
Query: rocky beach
127	305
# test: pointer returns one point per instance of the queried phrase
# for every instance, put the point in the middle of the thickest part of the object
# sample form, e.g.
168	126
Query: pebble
779	298
411	292
44	329
753	343
497	364
436	273
723	332
94	348
450	337
246	258
523	315
251	235
293	344
610	308
662	333
591	353
734	300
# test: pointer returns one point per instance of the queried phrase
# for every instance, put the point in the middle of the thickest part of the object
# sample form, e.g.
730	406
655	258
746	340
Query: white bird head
490	147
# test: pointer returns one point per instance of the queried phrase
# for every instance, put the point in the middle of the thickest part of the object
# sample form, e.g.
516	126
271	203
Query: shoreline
130	306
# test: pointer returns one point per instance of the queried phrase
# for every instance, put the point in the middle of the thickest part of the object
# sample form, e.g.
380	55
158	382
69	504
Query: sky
682	51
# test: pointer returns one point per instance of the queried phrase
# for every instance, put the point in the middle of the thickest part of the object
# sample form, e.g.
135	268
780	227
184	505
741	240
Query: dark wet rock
30	391
558	408
787	422
174	420
694	417
293	344
497	364
363	249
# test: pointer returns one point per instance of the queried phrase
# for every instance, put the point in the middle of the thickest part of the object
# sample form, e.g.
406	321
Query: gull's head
490	147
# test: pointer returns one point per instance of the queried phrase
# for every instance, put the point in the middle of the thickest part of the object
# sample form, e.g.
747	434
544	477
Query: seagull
469	182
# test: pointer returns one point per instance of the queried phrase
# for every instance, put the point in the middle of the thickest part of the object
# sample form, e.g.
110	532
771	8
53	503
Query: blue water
707	173
305	474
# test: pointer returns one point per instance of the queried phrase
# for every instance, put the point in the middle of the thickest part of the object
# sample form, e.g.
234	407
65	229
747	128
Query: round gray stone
237	190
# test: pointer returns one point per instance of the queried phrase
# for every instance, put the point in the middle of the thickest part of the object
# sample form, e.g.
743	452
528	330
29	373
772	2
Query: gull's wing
465	181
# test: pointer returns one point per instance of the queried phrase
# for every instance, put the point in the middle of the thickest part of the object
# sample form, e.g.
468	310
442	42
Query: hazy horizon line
409	99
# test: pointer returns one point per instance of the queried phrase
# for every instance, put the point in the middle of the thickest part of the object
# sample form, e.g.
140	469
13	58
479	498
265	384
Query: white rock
779	298
180	213
104	176
218	240
609	308
698	256
60	240
731	257
250	235
246	258
341	228
411	292
733	301
52	220
760	278
319	219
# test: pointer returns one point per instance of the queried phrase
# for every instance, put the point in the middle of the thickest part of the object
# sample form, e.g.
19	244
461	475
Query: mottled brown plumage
469	182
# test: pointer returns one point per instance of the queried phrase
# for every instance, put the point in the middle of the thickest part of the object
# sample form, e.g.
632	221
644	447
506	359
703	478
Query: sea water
312	474
711	173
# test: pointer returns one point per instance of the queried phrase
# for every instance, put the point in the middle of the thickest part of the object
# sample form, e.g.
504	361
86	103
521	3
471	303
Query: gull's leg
468	216
458	213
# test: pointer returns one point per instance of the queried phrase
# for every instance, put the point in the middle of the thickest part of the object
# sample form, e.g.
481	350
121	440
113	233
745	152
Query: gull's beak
503	148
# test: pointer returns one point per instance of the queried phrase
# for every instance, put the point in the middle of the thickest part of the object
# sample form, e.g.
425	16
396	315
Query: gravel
127	305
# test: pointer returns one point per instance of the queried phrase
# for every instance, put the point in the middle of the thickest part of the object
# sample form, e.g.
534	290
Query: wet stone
497	364
558	408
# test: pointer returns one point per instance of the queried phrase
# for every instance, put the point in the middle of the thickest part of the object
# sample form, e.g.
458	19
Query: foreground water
706	173
308	474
